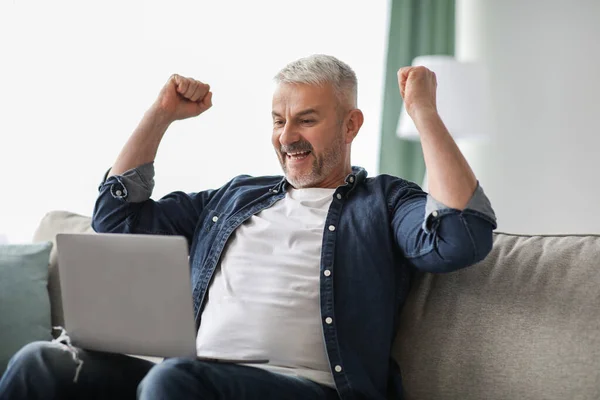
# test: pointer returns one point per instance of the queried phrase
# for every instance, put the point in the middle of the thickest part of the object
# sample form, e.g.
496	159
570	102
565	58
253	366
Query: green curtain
417	27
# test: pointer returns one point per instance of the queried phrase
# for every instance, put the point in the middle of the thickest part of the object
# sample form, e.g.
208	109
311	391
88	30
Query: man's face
308	135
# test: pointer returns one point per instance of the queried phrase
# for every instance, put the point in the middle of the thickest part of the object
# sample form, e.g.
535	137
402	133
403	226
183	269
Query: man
307	271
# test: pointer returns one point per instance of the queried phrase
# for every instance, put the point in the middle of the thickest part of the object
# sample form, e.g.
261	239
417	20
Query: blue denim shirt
377	231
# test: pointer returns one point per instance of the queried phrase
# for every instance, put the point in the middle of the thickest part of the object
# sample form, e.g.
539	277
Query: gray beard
321	167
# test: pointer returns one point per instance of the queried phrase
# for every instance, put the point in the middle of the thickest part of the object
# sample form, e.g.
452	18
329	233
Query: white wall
76	77
541	168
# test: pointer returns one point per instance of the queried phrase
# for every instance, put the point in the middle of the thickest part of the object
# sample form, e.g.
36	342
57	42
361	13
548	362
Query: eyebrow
300	114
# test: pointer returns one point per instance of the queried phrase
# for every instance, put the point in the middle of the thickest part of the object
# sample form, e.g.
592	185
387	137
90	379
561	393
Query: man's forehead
301	98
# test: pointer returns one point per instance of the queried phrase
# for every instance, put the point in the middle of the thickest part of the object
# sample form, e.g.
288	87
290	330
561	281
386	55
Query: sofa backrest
522	324
53	223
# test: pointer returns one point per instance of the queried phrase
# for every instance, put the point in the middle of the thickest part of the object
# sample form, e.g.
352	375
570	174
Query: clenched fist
183	98
417	87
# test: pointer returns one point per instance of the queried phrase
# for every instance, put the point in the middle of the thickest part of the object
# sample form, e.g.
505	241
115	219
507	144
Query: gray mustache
296	147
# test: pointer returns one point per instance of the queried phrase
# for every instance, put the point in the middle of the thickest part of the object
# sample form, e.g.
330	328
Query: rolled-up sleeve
124	206
479	203
437	238
134	186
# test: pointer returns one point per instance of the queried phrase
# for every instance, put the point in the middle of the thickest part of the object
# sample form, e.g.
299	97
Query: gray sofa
523	324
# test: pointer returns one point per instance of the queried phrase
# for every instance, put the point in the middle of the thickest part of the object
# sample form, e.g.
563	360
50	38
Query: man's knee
42	357
168	371
32	354
169	377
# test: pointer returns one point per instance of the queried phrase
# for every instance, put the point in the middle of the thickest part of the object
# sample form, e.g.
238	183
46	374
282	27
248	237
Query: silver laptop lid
126	293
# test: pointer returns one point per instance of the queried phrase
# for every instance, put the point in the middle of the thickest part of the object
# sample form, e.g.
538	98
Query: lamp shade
463	98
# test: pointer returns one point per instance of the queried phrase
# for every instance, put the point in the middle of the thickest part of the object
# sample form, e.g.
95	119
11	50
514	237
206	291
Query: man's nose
289	134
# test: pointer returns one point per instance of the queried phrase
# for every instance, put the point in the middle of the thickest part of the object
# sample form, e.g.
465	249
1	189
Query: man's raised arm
449	177
180	98
124	204
452	228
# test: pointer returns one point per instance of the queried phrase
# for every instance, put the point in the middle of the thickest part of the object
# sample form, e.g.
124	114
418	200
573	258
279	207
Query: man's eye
277	123
308	121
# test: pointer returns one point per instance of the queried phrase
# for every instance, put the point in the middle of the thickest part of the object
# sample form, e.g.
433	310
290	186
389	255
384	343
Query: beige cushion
59	222
523	324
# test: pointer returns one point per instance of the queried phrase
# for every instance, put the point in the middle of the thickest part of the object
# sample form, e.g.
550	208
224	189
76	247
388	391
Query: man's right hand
180	98
183	98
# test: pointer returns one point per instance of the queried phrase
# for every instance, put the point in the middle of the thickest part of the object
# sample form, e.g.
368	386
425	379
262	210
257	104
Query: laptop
127	293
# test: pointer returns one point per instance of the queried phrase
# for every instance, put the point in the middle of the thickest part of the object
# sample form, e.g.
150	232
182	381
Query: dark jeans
44	370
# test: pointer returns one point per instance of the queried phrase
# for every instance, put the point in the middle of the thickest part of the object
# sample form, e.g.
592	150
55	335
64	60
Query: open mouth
297	155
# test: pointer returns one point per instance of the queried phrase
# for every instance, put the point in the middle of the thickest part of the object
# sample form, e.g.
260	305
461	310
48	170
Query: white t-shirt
263	302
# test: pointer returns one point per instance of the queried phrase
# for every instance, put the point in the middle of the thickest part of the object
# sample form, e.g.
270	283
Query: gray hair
321	69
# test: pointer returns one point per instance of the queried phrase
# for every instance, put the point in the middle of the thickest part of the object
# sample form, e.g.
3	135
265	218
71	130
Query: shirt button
118	193
435	213
331	228
215	218
351	179
328	320
338	368
327	272
339	196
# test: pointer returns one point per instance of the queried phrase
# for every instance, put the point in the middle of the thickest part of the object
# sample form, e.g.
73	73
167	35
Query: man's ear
354	121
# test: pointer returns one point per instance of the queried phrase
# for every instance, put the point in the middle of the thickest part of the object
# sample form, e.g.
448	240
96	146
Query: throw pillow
24	302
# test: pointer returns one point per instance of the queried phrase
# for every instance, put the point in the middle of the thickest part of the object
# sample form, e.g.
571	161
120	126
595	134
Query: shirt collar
357	176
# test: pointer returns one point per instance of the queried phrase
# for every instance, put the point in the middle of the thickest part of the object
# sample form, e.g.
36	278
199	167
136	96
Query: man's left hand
417	88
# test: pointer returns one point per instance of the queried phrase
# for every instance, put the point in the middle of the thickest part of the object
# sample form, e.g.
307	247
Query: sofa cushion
24	303
53	223
522	324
